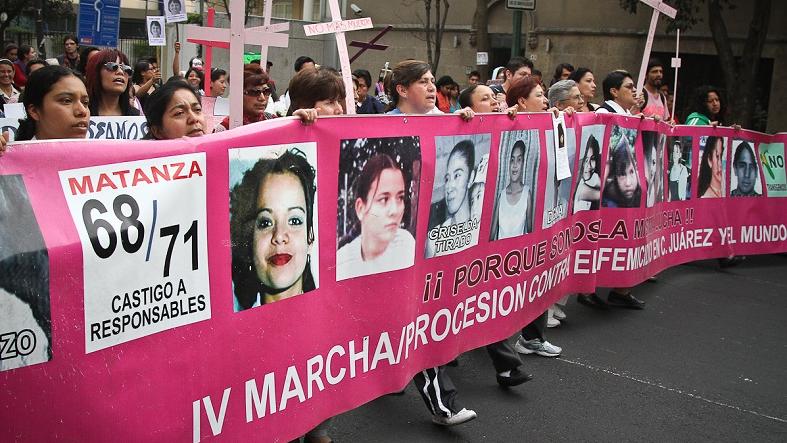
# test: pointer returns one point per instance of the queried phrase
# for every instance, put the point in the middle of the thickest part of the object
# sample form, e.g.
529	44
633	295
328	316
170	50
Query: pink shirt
656	106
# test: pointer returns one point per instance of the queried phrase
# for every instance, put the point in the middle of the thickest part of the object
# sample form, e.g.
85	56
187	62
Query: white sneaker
558	312
552	322
463	416
536	346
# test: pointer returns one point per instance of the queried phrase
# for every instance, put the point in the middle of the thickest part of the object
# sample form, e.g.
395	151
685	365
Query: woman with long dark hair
57	105
706	107
109	84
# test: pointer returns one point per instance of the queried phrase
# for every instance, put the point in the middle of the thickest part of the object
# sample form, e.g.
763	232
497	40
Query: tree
740	73
433	33
481	32
17	8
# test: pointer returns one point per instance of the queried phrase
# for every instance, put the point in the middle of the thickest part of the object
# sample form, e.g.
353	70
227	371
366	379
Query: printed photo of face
456	180
744	167
155	29
174	7
381	211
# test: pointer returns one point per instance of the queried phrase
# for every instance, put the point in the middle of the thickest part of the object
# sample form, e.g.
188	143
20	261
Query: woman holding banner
56	102
108	83
413	91
174	111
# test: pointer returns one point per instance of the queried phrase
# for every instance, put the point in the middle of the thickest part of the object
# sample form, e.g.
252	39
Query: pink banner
252	283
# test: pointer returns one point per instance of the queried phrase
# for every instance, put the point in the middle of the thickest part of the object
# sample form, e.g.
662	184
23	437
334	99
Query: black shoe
624	300
592	300
516	378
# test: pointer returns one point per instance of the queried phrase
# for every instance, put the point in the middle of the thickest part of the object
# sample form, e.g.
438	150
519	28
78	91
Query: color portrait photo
516	190
711	182
273	223
621	186
458	193
653	147
745	171
379	181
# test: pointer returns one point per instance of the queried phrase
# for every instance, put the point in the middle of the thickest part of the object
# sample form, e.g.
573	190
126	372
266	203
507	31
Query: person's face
147	74
714	103
456	178
183	117
515	165
329	107
574	100
6	74
654	76
473	80
363	89
746	171
715	161
519	74
30	55
501	74
588	164
116	81
13	54
628	182
421	93
155	29
536	101
174	7
383	210
219	86
64	111
476	195
483	100
676	153
70	47
255	99
565	74
652	167
193	79
625	95
587	85
281	242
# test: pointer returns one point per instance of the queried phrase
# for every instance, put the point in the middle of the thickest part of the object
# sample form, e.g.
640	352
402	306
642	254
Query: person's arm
587	192
145	87
3	143
176	60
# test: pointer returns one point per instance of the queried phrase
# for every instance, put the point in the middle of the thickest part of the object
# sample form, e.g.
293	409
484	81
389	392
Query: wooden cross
339	27
370	44
236	37
659	7
675	64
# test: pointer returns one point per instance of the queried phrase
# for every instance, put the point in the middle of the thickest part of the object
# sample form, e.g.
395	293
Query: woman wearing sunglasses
108	83
256	92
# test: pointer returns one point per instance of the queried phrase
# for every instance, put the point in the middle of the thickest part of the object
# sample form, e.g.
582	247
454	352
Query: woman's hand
467	114
307	116
569	111
4	143
511	112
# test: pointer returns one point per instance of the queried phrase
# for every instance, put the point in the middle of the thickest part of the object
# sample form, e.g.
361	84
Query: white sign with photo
175	11
156	35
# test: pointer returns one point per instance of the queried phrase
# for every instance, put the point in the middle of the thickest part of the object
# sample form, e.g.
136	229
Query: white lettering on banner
144	247
338	26
107	128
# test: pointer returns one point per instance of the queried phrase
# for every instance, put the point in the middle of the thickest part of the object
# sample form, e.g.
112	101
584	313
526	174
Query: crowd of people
60	95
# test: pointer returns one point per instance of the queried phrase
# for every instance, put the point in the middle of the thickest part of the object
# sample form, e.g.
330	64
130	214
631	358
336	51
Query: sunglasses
257	92
112	67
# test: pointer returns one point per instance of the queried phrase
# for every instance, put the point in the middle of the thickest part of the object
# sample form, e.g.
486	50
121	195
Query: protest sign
156	36
175	11
107	128
299	320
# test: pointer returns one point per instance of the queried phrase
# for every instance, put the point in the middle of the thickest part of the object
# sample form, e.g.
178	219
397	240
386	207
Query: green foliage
194	18
689	11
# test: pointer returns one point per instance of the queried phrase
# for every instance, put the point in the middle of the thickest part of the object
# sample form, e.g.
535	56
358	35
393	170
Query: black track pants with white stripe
438	391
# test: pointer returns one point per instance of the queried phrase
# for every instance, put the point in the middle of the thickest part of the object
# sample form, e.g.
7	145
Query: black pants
536	328
503	356
438	391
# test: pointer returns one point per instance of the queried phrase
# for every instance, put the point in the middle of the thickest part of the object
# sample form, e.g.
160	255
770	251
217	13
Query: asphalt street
705	361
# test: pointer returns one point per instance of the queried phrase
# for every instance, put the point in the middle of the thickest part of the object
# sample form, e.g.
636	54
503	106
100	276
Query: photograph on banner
379	181
175	11
558	191
621	184
25	320
773	165
745	174
458	193
712	166
143	232
156	36
679	168
273	223
517	184
587	192
653	147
